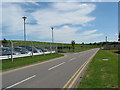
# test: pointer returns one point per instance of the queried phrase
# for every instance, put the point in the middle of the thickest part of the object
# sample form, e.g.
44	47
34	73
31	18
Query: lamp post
52	35
24	18
106	39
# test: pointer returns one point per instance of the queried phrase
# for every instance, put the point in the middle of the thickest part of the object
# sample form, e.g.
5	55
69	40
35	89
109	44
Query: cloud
89	32
116	34
58	14
12	18
54	15
60	0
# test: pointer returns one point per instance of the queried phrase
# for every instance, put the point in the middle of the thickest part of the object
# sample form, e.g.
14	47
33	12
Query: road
63	72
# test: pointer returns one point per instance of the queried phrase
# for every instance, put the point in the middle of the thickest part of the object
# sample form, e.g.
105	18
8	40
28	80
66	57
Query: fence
111	47
15	49
69	49
36	48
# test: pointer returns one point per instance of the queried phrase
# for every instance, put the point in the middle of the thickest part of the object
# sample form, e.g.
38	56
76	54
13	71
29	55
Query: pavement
63	72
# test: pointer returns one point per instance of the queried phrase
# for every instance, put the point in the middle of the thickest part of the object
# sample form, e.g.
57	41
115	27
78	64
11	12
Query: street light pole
24	18
106	39
52	35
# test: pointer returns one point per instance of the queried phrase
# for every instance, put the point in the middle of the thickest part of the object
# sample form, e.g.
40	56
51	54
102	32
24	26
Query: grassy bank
37	43
75	51
7	64
101	73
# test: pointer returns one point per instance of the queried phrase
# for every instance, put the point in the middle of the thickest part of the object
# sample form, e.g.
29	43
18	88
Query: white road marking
21	81
75	53
72	59
56	66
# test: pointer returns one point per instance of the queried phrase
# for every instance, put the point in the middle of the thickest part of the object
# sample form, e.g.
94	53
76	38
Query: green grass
7	64
102	74
37	43
75	51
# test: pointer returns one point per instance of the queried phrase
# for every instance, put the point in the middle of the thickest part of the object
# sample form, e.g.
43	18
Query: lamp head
24	18
52	28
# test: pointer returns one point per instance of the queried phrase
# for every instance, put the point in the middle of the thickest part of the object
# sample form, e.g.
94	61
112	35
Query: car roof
18	47
4	47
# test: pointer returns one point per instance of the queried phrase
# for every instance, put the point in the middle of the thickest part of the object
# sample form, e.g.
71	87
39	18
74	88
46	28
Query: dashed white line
21	81
72	59
56	66
75	53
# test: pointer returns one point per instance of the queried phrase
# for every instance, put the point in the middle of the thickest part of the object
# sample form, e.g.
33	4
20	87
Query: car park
39	50
29	48
22	50
7	51
43	49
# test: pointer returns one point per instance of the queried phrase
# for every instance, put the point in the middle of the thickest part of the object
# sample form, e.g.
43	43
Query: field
102	73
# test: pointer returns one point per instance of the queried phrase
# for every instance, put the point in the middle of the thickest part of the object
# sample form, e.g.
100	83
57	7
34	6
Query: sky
80	21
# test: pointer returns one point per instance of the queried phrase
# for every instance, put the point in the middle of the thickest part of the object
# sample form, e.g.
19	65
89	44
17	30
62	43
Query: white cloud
55	15
89	32
12	18
116	34
60	0
74	15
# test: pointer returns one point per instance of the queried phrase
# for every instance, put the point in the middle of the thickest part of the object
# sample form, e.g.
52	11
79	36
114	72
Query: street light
52	35
24	18
106	39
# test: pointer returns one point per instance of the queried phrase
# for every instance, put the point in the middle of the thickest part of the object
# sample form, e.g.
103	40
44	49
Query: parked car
29	48
7	51
22	50
43	49
39	50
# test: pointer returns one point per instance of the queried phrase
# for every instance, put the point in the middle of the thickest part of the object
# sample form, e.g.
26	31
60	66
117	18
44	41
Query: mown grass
37	43
75	51
7	64
100	73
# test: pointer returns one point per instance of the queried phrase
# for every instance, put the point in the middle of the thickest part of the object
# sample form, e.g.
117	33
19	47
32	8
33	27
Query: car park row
22	51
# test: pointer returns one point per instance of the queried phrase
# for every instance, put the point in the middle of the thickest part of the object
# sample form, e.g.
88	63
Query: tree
73	44
90	43
82	43
4	42
94	43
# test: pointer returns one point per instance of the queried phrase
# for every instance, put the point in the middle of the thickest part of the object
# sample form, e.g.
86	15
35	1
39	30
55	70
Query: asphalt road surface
63	72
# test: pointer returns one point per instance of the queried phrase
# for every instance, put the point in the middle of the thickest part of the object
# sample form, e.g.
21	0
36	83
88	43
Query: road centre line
76	53
72	59
79	70
56	66
24	67
21	81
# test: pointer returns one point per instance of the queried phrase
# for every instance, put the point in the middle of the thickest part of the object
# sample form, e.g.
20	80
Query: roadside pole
56	48
32	48
11	50
43	49
62	46
50	48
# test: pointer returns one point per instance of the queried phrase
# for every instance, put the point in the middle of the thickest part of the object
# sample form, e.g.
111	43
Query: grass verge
75	51
100	73
7	64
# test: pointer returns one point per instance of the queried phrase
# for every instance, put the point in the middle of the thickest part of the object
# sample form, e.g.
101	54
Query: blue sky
82	22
